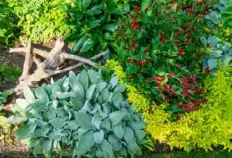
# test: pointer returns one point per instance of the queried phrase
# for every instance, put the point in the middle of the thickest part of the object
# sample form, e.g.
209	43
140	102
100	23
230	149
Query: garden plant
127	78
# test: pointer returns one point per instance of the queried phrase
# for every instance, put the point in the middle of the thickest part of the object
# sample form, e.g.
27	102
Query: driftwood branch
51	64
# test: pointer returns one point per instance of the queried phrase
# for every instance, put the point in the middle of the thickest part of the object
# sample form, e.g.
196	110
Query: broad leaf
118	130
85	144
117	116
98	137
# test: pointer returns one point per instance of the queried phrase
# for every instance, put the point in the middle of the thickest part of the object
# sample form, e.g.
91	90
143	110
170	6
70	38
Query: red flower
168	7
134	44
187	41
197	102
189	24
207	70
181	30
142	62
196	57
205	100
176	43
156	79
188	33
167	88
159	87
128	49
163	40
181	51
171	75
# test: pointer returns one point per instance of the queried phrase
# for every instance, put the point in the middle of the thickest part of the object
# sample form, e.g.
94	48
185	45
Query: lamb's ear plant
81	114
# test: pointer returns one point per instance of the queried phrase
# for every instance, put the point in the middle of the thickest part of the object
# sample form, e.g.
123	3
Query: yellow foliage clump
209	126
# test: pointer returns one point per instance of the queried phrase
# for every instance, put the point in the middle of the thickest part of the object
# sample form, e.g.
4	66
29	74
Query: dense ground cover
165	75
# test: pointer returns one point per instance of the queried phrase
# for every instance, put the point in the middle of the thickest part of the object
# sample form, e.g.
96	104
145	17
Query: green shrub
8	28
9	73
41	20
82	115
92	24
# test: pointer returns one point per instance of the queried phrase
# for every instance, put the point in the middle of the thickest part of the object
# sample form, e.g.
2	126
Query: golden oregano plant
206	128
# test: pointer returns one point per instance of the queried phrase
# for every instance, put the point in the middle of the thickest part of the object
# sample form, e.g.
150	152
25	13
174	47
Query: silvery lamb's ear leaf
118	130
96	122
90	91
15	119
56	87
38	149
66	84
120	88
107	149
98	137
134	149
22	103
117	99
117	116
139	134
93	76
135	125
76	102
114	81
212	63
105	95
123	152
47	146
95	109
226	47
85	144
115	142
106	108
101	86
73	125
84	120
78	88
106	124
65	95
72	76
99	152
129	136
29	96
42	95
204	40
87	107
213	40
57	122
132	109
84	79
82	131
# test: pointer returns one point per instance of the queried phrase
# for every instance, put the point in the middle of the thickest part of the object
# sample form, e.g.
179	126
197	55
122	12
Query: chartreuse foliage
41	20
81	113
9	72
209	126
8	28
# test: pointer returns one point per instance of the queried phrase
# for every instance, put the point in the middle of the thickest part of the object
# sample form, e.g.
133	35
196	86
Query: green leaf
133	149
93	76
135	125
73	125
129	135
87	45
101	86
114	81
107	149
85	144
105	95
120	88
118	130
145	4
29	96
38	149
78	44
42	95
84	120
98	137
212	63
22	103
117	116
15	119
84	79
140	134
96	122
57	122
106	124
86	3
47	146
117	99
40	123
115	142
23	132
90	91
